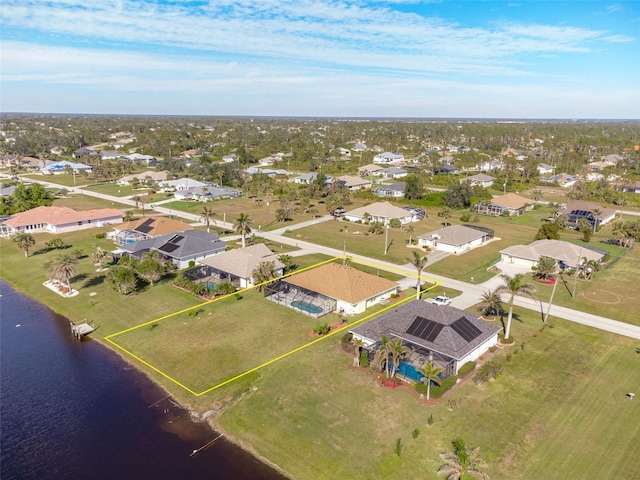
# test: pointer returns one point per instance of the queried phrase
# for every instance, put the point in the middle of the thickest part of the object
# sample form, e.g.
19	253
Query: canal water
75	410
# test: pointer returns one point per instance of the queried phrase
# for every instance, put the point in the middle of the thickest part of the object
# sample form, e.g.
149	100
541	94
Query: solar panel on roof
145	227
168	247
176	239
425	329
467	330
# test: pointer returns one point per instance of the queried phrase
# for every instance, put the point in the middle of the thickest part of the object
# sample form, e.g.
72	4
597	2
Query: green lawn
81	202
116	190
65	179
558	411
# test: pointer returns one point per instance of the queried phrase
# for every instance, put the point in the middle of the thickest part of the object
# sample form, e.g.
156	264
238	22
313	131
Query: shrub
364	359
466	368
465	217
101	235
488	371
430	419
421	388
346	338
395	223
493	348
398	447
394	295
321	329
415	433
438	390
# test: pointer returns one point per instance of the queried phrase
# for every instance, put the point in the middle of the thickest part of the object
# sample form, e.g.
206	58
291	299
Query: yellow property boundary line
280	357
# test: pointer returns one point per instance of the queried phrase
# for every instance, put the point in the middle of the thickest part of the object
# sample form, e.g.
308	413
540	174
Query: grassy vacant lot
225	339
558	411
62	179
115	189
81	202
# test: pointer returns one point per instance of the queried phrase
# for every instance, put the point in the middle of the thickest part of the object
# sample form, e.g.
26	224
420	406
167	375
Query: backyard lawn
558	411
81	202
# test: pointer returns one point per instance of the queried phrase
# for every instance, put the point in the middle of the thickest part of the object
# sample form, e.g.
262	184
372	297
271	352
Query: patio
299	299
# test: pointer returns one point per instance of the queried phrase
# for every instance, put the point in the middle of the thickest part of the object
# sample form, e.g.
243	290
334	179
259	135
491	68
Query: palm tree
65	267
381	357
419	262
546	267
25	241
446	214
244	227
137	199
430	372
100	256
264	272
207	215
462	461
357	345
410	230
490	303
596	212
397	352
514	285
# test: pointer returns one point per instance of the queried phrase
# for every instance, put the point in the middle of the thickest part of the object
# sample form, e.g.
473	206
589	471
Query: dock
81	329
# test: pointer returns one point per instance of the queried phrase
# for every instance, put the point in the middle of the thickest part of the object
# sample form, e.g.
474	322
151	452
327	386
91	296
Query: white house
455	239
180	184
381	212
565	254
395	190
479	179
354	182
445	335
388	158
545	169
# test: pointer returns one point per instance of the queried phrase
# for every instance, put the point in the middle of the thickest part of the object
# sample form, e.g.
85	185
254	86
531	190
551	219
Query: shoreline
196	415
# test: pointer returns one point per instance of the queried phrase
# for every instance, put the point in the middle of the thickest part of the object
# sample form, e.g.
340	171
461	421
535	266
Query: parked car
338	212
441	300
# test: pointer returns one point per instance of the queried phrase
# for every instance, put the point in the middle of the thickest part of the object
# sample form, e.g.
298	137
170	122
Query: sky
330	58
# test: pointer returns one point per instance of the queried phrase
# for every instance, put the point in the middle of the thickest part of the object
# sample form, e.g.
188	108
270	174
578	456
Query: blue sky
347	58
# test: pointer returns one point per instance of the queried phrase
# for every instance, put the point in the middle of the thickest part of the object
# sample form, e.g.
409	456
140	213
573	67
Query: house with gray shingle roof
449	336
180	248
479	179
455	239
395	190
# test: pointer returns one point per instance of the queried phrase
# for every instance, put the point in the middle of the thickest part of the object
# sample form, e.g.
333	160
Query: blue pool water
307	307
407	370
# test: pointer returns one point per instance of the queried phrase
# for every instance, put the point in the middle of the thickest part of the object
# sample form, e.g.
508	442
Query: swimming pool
407	370
307	307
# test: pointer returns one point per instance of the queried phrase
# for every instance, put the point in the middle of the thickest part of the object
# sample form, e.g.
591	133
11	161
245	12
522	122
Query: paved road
471	292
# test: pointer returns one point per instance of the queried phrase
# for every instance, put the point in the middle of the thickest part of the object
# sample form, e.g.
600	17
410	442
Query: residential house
180	184
448	169
206	193
595	214
514	204
395	190
391	172
354	182
57	168
150	177
456	239
236	266
144	228
563	179
369	170
545	169
380	212
388	158
631	187
444	335
332	288
345	152
359	147
58	220
566	254
479	179
601	165
180	248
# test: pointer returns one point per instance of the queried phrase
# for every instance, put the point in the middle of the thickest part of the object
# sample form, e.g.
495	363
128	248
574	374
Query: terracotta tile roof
60	216
341	282
155	226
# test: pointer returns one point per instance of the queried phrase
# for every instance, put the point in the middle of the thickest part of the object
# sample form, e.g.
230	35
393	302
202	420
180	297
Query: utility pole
386	237
553	292
575	279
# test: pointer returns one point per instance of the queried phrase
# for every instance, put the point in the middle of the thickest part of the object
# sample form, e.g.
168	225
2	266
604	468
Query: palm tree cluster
387	357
